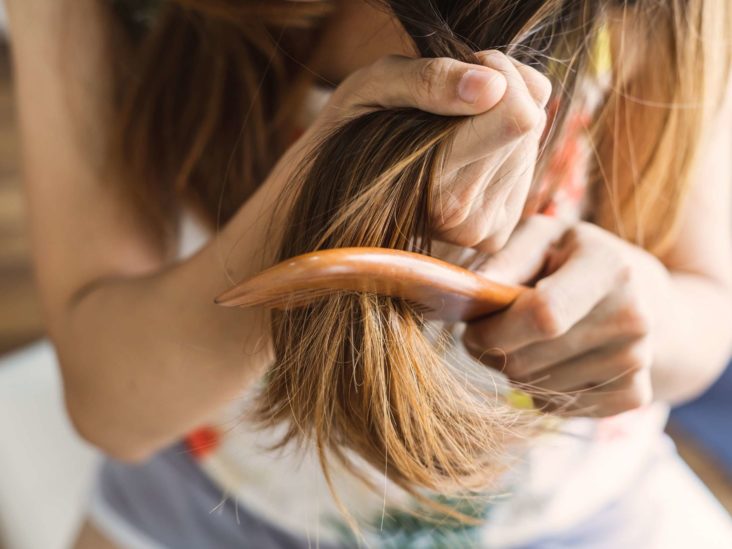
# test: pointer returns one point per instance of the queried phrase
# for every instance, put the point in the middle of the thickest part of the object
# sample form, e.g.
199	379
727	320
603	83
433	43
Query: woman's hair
207	109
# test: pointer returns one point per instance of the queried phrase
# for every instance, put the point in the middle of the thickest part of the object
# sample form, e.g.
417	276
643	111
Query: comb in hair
434	287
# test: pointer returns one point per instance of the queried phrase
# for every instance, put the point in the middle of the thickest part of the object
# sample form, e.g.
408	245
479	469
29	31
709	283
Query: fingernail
474	82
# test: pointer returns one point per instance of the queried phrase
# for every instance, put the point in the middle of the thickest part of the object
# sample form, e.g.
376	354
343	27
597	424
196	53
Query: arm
144	353
695	346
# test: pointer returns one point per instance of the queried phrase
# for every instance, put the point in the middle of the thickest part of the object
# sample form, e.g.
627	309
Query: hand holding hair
492	159
491	163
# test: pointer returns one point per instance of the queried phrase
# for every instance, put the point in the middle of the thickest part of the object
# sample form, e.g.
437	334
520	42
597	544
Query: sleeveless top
565	476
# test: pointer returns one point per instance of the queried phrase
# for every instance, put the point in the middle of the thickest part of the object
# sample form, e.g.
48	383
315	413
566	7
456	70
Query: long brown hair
203	117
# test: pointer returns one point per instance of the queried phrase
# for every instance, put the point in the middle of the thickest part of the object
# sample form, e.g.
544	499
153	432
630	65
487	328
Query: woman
147	358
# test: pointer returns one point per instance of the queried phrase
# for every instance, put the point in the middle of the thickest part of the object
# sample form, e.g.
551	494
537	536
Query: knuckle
545	86
524	119
495	59
477	342
545	317
473	339
633	321
540	85
543	117
458	230
431	77
471	238
634	359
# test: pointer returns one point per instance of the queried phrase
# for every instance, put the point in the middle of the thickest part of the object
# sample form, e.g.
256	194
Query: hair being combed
356	374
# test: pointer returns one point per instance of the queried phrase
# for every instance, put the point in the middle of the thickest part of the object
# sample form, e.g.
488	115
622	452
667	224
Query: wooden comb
439	289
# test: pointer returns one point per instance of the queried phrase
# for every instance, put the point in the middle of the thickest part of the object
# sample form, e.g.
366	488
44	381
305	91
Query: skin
145	355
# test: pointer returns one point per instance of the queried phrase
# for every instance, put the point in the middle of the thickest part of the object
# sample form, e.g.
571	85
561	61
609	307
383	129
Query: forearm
694	341
136	372
146	358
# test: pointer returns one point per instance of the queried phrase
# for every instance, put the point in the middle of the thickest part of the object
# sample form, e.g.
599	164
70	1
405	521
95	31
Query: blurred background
45	470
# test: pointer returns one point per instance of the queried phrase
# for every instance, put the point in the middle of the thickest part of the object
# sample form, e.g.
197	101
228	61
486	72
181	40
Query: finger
629	392
593	370
568	295
538	84
500	334
610	324
515	117
554	305
524	256
518	102
438	85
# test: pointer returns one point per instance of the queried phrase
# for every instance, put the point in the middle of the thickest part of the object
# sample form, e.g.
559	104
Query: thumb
522	259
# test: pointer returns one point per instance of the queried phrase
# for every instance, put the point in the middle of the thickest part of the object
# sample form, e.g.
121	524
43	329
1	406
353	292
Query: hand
581	337
487	176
